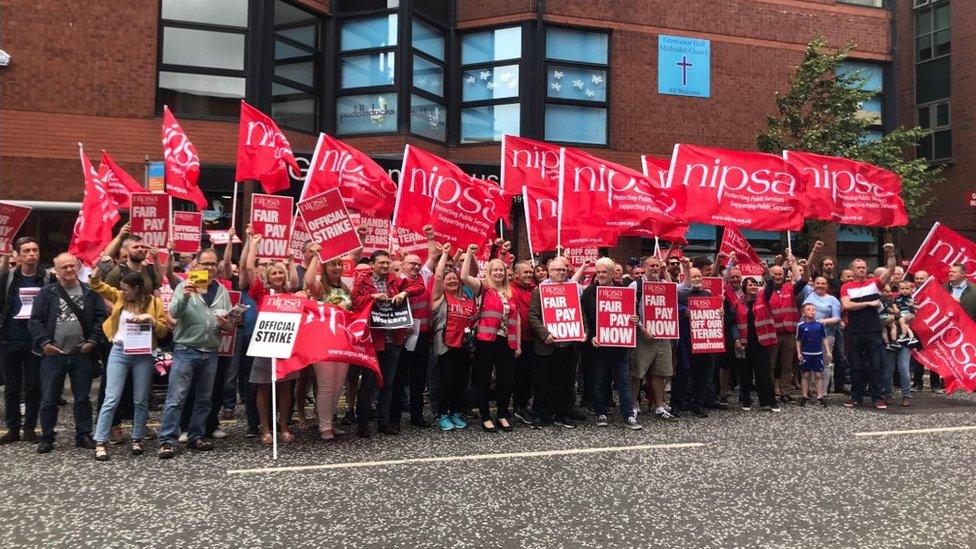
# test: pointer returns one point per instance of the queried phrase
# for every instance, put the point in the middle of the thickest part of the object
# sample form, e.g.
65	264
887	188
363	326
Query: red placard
561	311
661	309
377	235
582	256
11	219
327	220
755	271
187	228
409	242
614	307
226	347
713	284
271	218
150	218
299	237
166	295
707	327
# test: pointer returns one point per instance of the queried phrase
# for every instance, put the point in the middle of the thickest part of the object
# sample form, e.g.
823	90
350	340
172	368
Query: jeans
21	374
902	360
116	371
865	363
216	400
387	358
191	367
606	363
841	370
230	379
76	366
828	372
247	390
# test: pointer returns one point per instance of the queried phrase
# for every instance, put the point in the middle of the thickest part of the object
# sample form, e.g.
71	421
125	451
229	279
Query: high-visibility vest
490	319
783	306
420	308
460	318
765	331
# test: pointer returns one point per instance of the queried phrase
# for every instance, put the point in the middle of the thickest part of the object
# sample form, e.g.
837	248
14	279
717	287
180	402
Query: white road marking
915	431
475	457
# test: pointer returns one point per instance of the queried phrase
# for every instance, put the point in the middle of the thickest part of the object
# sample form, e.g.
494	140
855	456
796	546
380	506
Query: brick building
448	76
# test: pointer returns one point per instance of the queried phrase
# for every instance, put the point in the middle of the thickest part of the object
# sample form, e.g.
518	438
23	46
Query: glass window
490	83
296	93
303	73
374	32
937	144
932	80
375	113
942	145
933	36
352	6
573	45
873	74
576	124
942	114
200	48
213	12
428	118
201	93
360	71
493	45
297	24
924	121
486	124
428	76
565	82
294	108
428	39
284	50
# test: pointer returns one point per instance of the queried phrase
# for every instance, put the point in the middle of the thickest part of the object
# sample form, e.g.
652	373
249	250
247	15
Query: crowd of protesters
480	351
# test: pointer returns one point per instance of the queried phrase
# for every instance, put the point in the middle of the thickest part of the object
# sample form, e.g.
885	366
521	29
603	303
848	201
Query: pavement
807	477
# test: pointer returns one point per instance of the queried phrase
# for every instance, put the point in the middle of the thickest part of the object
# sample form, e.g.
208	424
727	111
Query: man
781	294
381	285
651	360
136	252
918	371
861	298
524	381
66	326
301	269
201	315
959	287
555	397
695	369
607	361
19	287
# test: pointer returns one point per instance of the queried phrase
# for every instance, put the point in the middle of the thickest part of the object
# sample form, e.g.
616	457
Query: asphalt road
802	478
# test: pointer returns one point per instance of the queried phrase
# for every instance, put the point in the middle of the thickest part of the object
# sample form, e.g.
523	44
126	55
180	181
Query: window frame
930	8
918	8
543	85
444	100
315	55
934	128
338	91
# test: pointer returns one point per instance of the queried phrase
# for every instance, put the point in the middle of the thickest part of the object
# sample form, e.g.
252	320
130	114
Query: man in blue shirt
960	289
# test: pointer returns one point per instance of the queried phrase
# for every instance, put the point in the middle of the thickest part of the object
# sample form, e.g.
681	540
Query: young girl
812	348
454	316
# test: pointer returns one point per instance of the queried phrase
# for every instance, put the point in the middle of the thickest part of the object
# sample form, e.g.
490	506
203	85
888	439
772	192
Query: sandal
327	434
136	447
101	452
287	437
266	438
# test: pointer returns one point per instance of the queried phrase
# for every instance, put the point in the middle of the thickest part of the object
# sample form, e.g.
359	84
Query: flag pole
274	409
528	222
789	241
657	247
233	208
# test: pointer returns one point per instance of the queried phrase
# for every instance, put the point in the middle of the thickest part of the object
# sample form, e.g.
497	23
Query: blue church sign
684	66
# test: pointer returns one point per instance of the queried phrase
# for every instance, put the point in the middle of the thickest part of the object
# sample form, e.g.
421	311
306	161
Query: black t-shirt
866	320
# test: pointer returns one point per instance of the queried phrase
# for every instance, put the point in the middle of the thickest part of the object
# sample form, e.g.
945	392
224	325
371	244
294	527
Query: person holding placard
756	335
19	287
454	319
652	359
695	368
133	306
498	338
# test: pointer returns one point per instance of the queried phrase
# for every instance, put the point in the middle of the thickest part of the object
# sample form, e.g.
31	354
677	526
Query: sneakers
914	344
45	446
85	442
892	347
524	416
775	409
747	407
202	445
903	339
458	422
184	438
10	436
880	405
165	451
851	403
444	423
938	391
564	422
662	413
219	434
601	420
633	425
363	430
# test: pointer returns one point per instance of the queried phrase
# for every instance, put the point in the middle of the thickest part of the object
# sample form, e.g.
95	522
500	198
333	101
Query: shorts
812	363
261	371
651	355
886	318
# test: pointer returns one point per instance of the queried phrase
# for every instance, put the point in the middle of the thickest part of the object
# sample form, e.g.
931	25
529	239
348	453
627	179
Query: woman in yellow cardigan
131	303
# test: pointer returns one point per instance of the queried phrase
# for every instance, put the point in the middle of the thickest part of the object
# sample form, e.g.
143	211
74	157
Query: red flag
528	163
462	209
97	218
734	242
849	192
948	337
656	171
331	334
942	249
181	162
119	183
365	186
263	152
744	189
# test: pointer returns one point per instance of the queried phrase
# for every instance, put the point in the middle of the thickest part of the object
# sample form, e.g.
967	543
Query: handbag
96	363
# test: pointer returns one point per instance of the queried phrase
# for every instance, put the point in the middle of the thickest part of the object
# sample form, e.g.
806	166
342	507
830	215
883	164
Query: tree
819	114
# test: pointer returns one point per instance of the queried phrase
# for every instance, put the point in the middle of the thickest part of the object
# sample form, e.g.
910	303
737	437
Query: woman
827	313
454	316
275	278
329	376
132	303
498	338
756	333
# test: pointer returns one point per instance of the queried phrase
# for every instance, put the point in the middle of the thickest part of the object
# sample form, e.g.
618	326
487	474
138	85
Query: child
889	322
906	312
812	348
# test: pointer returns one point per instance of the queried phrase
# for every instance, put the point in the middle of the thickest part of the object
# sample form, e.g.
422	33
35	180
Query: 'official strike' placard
707	333
271	218
150	218
614	309
327	220
276	326
187	227
561	311
661	309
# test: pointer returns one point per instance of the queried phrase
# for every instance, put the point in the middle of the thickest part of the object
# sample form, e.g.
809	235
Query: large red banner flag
462	209
942	249
365	186
181	162
733	241
656	171
98	216
849	192
263	152
948	337
528	163
613	197
119	183
745	189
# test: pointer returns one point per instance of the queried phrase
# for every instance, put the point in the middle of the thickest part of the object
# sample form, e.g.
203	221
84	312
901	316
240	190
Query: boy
906	312
812	348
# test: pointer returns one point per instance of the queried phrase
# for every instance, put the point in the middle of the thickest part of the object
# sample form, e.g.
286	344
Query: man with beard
136	252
